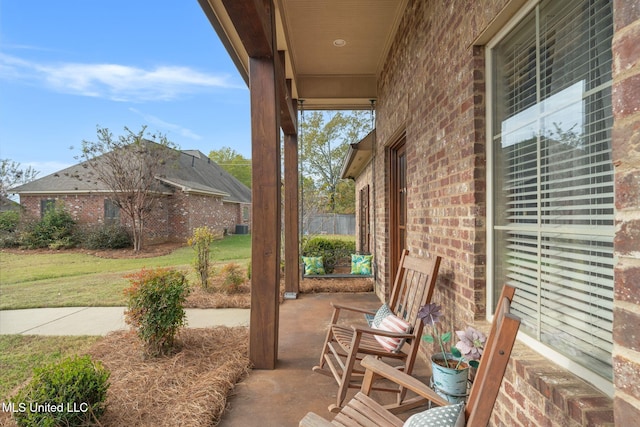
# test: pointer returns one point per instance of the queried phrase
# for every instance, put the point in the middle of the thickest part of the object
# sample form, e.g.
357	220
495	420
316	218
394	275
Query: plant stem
435	334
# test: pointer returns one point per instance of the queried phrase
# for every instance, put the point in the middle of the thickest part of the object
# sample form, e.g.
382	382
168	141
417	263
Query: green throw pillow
313	265
361	264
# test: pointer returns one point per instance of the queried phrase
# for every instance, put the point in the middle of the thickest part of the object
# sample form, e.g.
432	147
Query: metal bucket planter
450	383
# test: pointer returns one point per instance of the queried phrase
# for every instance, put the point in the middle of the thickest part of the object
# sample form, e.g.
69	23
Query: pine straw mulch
214	297
187	388
191	386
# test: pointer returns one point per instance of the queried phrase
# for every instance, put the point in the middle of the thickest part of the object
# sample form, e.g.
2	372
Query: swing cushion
313	265
361	264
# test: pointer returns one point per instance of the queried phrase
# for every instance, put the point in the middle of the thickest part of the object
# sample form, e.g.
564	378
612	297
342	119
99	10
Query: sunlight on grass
19	354
75	279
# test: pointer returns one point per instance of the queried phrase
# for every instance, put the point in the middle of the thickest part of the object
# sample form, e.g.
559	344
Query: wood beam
252	21
291	212
288	112
266	221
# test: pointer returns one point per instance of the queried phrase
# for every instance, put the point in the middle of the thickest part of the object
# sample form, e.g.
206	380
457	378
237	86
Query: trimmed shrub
56	230
331	250
107	236
201	244
71	392
156	307
9	235
9	221
233	277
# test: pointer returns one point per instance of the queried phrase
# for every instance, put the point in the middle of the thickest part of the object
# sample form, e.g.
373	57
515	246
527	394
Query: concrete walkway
102	320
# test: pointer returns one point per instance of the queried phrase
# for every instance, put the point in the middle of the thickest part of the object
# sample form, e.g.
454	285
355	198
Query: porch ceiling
324	75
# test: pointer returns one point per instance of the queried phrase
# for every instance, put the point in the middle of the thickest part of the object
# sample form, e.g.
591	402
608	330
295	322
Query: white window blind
553	176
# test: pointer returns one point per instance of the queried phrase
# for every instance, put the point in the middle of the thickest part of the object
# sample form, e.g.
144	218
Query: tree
325	142
128	166
234	163
11	174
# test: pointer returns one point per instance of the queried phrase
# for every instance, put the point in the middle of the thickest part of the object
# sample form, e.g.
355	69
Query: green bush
107	236
201	241
331	250
71	392
233	277
9	221
9	235
56	230
156	307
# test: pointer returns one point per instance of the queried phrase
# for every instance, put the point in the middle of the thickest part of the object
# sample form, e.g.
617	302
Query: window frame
110	205
558	358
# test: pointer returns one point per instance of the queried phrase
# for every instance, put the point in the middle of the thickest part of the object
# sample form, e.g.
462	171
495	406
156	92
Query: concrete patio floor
281	397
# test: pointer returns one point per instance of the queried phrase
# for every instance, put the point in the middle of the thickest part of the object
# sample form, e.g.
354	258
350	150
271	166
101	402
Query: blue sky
68	66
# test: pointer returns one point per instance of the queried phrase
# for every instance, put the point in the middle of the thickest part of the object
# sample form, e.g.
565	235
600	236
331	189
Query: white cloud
171	127
114	81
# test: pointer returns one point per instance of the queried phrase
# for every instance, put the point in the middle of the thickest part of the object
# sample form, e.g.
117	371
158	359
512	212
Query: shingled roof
194	173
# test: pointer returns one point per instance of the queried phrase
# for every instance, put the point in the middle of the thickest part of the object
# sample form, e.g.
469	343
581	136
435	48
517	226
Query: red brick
626	374
627	283
625	414
627	188
625	12
626	97
600	418
625	329
626	50
580	407
625	141
627	237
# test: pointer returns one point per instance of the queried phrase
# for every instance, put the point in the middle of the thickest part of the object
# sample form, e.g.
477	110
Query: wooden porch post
266	221
291	218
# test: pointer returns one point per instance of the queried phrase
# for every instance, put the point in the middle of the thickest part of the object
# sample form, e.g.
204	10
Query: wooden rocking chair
362	410
346	345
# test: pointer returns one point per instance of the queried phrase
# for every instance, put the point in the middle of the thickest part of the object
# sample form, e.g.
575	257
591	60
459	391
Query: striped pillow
392	323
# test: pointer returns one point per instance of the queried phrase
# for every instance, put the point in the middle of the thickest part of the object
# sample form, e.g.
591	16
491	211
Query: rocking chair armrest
352	308
371	331
379	368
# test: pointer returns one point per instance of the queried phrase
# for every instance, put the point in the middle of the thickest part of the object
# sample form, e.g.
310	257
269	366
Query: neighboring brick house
194	192
507	142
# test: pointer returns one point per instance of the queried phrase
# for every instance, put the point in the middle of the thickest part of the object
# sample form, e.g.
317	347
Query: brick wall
432	89
626	156
172	218
189	211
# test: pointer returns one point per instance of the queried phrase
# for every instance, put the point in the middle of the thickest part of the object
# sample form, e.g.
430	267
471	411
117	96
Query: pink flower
471	343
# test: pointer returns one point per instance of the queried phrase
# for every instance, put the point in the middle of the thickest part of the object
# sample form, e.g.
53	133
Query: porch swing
313	267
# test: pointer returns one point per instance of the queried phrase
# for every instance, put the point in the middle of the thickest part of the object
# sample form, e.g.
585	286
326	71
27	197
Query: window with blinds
552	183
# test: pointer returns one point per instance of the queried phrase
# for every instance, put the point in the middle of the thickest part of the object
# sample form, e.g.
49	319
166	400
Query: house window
111	212
552	177
46	205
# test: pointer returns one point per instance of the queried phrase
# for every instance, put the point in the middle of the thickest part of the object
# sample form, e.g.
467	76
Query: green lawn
73	279
19	354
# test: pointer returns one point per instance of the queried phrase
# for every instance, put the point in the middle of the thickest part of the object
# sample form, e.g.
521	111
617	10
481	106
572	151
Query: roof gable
192	172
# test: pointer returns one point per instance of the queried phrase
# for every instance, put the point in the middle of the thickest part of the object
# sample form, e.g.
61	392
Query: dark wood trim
291	213
288	114
252	21
266	221
397	198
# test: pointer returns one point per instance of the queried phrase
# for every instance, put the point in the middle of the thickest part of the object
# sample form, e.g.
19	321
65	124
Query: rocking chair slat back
345	345
482	396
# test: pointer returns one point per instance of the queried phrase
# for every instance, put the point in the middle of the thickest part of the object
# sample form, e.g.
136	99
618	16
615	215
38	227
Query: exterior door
364	223
398	208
